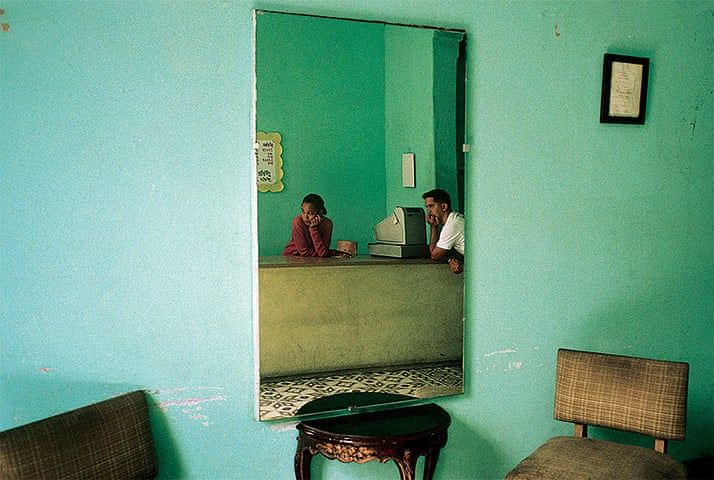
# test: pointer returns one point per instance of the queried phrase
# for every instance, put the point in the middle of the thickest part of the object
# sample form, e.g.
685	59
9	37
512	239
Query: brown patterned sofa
638	395
108	440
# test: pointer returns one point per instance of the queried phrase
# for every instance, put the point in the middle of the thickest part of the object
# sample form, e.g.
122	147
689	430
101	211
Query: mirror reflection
346	100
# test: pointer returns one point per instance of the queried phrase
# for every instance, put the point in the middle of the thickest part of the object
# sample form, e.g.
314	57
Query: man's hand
432	220
455	265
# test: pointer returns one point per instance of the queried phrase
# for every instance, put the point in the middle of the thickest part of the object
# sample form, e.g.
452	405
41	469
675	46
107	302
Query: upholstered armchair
109	440
638	395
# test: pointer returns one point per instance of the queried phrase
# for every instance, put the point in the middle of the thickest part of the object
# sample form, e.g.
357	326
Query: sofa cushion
586	458
109	440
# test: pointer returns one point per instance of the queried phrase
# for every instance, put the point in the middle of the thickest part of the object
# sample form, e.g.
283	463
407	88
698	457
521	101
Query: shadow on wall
30	398
464	454
170	462
699	428
659	323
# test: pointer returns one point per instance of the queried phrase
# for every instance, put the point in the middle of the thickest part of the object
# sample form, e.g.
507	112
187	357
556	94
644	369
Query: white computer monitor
406	226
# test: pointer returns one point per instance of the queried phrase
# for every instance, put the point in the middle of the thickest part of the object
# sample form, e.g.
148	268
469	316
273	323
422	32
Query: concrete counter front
330	314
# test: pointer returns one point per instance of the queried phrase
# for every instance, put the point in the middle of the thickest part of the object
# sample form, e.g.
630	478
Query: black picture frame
624	89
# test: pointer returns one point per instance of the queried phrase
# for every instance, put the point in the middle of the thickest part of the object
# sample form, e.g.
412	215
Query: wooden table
399	434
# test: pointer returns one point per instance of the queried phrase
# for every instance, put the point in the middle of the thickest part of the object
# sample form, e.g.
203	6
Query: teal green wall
320	84
409	113
126	185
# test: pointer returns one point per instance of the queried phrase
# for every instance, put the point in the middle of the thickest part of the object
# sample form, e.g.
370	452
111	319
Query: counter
330	314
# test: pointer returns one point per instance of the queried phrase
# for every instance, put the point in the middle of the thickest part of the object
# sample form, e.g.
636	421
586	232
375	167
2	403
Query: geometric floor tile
283	397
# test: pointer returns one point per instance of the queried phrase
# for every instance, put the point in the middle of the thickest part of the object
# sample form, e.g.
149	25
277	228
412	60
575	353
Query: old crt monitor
401	235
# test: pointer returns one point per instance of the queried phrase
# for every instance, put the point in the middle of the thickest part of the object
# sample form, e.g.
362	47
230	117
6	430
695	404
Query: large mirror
342	101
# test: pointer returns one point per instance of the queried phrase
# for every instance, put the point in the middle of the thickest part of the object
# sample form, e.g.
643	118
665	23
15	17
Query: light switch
408	178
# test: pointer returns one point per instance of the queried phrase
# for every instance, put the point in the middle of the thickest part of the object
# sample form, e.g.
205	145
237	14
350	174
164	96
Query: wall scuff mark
190	402
500	352
4	26
192	405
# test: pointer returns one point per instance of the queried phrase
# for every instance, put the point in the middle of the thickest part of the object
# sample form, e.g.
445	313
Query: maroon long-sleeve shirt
309	241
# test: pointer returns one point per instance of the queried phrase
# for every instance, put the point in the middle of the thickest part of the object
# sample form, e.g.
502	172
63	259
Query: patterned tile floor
283	397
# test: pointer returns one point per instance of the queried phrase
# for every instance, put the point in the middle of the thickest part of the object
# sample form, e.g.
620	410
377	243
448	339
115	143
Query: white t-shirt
452	233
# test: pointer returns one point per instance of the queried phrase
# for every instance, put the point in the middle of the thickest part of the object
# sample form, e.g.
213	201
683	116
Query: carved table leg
407	465
430	463
303	459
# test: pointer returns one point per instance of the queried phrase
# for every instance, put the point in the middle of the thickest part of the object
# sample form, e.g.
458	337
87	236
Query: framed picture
624	89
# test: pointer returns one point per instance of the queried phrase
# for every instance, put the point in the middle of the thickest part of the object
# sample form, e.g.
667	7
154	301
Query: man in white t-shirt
446	242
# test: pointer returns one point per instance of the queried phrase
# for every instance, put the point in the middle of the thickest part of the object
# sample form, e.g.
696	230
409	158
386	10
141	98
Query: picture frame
624	89
269	161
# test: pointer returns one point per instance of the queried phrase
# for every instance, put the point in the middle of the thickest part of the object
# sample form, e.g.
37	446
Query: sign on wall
269	161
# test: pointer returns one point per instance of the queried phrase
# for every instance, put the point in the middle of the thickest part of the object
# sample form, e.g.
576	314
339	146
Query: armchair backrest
626	393
109	440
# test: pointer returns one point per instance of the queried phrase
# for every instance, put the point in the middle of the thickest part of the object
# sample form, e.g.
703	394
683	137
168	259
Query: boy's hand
316	221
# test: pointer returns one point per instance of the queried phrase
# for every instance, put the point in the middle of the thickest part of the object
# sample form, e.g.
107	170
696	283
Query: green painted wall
409	113
320	84
127	259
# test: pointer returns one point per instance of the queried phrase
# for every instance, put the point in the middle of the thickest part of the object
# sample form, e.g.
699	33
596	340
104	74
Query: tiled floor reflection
282	398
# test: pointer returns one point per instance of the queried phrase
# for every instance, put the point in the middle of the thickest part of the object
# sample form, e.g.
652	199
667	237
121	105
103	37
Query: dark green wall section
447	148
320	84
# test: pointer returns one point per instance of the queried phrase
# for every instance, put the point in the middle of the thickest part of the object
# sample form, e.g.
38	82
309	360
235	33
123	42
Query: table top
351	401
391	423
